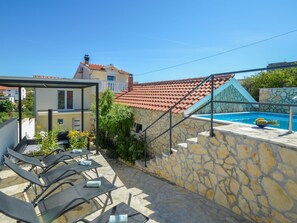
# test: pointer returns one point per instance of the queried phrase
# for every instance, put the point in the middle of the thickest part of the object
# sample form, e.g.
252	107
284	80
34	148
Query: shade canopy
45	82
31	82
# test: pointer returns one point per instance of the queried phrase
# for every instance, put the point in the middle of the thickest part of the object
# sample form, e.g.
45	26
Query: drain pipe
293	100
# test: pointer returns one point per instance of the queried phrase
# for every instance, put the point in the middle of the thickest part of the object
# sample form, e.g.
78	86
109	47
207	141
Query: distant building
109	76
279	64
12	92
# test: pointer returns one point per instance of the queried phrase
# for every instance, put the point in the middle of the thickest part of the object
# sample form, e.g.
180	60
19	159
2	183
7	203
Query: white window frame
65	103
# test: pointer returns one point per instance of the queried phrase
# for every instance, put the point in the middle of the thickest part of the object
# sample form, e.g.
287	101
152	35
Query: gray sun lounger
120	209
49	160
50	177
17	209
53	206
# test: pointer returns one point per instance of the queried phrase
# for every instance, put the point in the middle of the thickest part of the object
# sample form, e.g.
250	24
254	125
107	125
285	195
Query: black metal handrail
211	102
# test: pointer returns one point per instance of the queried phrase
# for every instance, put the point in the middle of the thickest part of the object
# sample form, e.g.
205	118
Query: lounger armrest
64	156
67	171
82	220
51	191
66	206
54	151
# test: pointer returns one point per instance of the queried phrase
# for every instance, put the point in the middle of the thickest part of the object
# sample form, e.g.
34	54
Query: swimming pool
250	117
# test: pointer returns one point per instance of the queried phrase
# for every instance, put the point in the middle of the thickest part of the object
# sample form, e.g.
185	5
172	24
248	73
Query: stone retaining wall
251	171
277	95
189	128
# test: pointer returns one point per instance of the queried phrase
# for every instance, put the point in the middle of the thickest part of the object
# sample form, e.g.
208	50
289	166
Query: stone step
174	150
158	160
182	145
140	164
192	141
165	154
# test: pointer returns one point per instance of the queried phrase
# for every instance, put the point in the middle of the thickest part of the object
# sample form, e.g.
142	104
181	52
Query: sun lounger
17	209
49	177
119	210
49	161
53	206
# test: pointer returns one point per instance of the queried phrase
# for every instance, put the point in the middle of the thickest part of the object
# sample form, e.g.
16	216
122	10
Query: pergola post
97	118
82	109
20	113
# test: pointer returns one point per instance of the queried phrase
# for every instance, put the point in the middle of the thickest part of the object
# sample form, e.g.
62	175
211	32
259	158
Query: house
66	105
109	76
151	100
12	92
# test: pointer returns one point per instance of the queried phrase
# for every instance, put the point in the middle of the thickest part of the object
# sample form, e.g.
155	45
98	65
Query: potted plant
261	122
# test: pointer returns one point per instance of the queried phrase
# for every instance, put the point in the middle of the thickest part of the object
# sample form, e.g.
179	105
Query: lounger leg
110	197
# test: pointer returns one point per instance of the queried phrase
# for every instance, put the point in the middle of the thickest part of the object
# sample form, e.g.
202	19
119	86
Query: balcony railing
114	86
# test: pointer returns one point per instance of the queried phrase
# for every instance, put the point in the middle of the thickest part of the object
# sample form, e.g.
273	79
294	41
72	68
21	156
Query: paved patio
159	200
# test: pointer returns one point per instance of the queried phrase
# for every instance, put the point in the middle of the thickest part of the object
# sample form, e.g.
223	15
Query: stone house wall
251	171
277	95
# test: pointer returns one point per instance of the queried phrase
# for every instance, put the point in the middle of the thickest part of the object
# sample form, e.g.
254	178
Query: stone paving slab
159	200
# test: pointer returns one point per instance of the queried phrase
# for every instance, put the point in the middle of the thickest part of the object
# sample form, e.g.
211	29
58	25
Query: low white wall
8	136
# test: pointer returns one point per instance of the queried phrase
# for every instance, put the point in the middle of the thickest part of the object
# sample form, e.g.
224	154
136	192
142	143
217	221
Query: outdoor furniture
120	209
49	177
48	161
26	144
53	206
17	209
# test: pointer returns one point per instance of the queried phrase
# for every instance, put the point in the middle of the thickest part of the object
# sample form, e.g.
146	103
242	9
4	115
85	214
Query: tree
27	105
116	121
270	79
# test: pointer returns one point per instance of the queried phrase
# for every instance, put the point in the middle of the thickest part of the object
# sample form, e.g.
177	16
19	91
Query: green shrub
6	106
47	140
116	121
4	117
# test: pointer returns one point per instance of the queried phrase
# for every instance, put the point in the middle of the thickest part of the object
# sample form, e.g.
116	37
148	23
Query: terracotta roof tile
103	68
164	94
46	77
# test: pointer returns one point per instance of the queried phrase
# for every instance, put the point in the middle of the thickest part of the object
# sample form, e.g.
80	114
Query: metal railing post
145	149
170	131
211	133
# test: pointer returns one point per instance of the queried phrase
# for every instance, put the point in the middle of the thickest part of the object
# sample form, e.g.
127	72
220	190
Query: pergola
54	83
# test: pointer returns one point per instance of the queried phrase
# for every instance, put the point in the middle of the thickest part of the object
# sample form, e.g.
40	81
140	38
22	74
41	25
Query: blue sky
51	37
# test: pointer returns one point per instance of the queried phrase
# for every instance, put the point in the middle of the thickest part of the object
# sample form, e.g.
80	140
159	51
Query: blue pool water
250	117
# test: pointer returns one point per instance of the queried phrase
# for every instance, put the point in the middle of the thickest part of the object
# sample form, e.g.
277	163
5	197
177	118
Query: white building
13	92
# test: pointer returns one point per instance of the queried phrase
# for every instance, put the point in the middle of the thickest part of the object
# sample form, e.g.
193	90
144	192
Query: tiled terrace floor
159	200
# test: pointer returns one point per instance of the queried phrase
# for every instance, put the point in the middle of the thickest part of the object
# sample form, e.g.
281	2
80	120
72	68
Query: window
138	127
111	78
65	100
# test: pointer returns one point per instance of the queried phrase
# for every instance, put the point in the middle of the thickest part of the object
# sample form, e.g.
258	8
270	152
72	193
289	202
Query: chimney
87	58
130	83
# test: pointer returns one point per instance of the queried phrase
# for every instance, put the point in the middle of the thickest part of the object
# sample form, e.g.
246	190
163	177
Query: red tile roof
4	88
46	77
96	66
162	95
102	67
